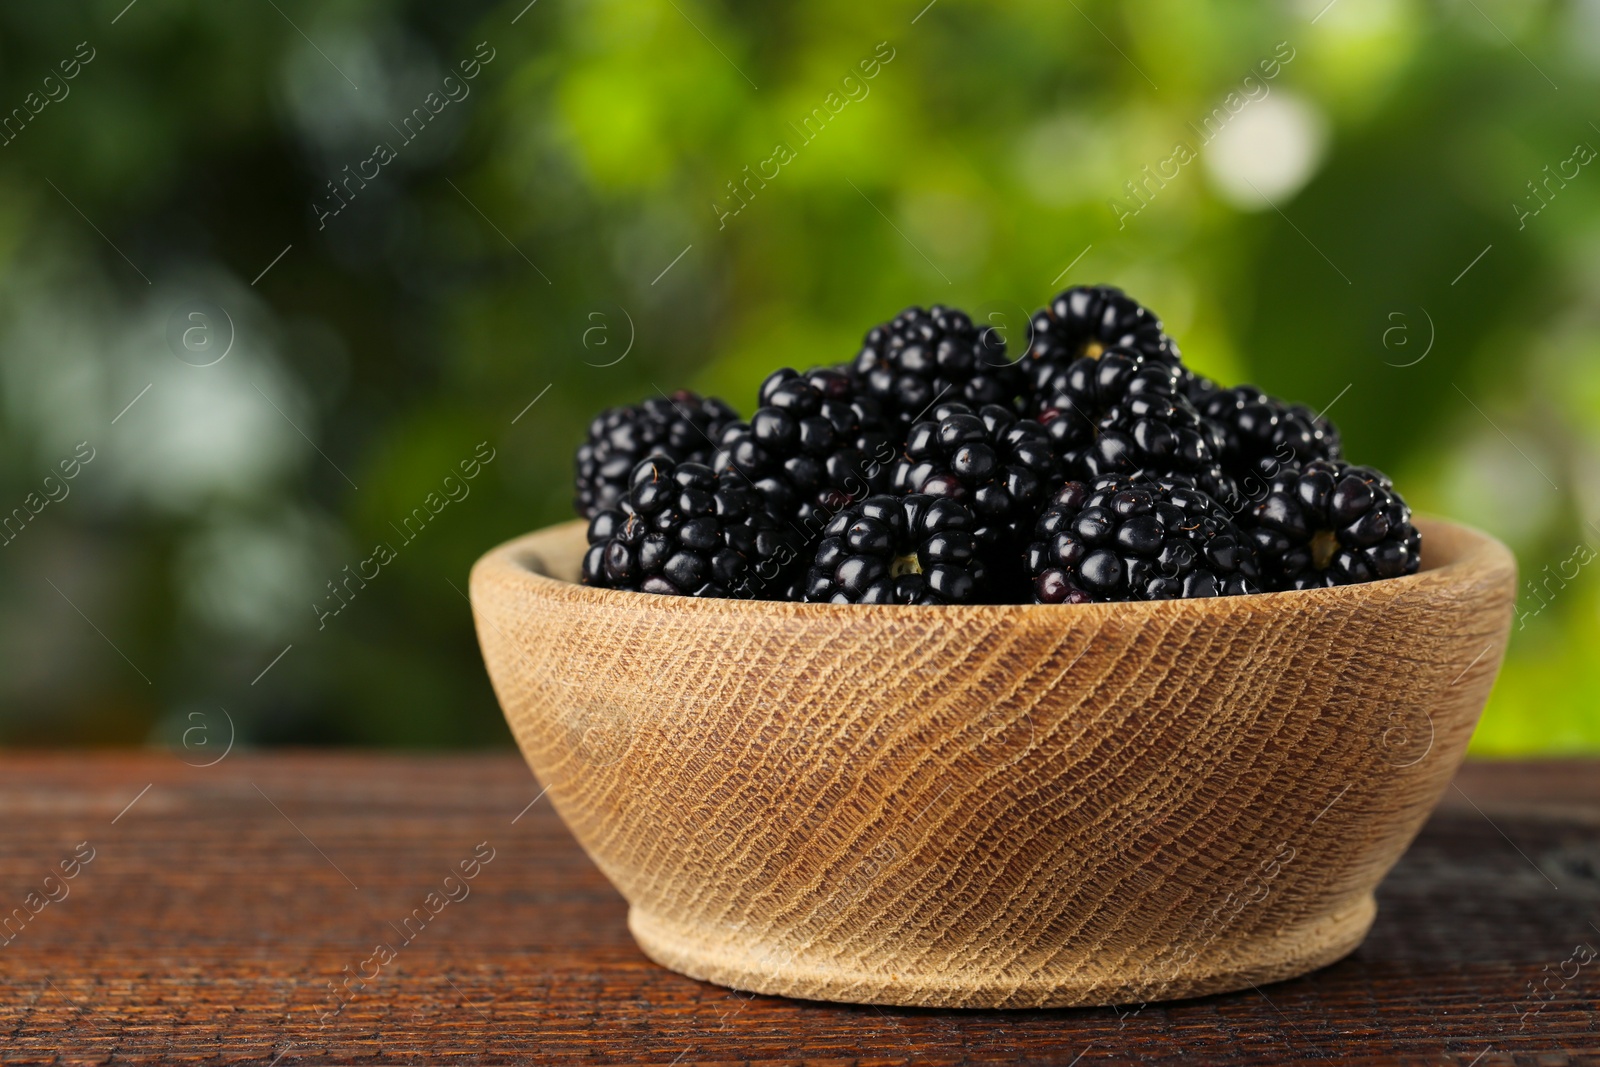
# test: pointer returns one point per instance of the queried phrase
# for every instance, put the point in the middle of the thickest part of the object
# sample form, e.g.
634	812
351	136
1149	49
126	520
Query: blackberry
1001	467
1261	433
1093	384
1147	433
1330	523
915	549
1084	321
685	530
684	426
1116	539
1072	399
815	444
922	357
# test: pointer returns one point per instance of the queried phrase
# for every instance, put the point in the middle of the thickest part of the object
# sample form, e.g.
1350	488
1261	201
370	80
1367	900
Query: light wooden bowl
1003	806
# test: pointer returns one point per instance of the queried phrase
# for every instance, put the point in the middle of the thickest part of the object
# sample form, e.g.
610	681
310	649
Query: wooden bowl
998	806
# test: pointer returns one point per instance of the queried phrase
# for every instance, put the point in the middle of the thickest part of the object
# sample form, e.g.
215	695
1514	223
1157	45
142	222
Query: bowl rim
1477	555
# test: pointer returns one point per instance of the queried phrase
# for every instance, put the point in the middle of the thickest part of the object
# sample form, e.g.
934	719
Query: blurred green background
1380	205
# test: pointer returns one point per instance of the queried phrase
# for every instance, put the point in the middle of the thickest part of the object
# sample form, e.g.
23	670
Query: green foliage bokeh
594	216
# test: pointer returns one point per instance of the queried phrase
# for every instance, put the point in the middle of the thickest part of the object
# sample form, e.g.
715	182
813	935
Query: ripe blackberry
1084	321
1116	539
815	444
999	466
1330	523
1261	433
1147	433
915	549
684	426
922	357
1091	385
684	530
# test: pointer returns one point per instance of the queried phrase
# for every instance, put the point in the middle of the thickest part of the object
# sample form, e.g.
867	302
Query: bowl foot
778	969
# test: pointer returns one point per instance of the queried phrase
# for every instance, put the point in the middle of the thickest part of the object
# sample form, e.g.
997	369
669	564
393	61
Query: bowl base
1224	967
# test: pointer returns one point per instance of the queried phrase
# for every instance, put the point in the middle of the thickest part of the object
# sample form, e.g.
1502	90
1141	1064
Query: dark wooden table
221	905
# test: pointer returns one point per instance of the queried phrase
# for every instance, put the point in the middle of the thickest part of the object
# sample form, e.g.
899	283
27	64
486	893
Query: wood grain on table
234	913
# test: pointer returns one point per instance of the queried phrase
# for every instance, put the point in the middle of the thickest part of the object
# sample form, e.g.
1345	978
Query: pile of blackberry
936	468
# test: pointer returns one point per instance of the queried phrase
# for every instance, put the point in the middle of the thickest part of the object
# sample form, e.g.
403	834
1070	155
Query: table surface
213	909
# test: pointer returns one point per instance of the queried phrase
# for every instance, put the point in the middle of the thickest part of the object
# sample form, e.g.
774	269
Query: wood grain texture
207	929
995	806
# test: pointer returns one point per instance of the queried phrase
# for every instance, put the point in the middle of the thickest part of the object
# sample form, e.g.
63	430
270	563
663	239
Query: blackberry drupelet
684	530
1148	433
915	549
1331	523
1197	387
815	444
684	426
1084	321
999	466
1261	433
1115	539
925	356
